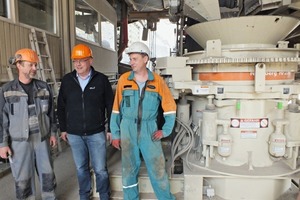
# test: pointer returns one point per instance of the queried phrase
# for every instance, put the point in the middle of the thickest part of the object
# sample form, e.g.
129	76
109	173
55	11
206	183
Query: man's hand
116	143
108	137
53	141
64	136
4	152
157	135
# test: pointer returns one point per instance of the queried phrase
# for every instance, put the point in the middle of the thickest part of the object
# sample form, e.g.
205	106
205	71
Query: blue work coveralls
134	120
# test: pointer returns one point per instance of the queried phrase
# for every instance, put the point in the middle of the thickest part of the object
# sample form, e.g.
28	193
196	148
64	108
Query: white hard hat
138	47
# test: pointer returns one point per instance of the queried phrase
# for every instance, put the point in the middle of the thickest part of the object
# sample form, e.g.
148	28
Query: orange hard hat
81	51
24	55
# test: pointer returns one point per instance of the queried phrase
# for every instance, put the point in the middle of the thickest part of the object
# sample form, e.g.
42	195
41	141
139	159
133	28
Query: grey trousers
29	157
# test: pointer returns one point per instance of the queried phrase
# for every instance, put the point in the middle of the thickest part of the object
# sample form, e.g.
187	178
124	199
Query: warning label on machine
249	123
248	134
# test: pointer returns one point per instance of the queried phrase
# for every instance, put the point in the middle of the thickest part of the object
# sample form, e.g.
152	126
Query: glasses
80	61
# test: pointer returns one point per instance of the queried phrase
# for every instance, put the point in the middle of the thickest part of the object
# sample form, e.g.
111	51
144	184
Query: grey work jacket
14	123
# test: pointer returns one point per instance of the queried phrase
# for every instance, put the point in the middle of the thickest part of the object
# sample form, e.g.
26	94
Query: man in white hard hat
138	96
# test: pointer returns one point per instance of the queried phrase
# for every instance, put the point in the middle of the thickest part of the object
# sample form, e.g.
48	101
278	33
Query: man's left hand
157	135
53	141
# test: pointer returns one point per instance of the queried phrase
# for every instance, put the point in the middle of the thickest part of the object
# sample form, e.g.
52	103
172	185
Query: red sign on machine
249	123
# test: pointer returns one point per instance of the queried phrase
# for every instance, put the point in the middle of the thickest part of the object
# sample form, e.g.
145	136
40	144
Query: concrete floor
67	186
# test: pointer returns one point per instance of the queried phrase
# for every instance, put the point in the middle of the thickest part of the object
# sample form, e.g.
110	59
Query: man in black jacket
84	102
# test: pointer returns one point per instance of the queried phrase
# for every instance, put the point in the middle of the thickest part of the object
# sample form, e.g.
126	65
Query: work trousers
30	156
132	144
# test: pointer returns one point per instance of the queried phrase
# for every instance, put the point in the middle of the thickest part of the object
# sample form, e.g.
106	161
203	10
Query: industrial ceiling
197	11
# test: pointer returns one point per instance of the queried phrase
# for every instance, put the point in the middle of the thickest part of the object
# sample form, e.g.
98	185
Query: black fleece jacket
84	112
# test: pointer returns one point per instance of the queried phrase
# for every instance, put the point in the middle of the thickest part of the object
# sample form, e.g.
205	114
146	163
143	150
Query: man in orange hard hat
28	128
84	103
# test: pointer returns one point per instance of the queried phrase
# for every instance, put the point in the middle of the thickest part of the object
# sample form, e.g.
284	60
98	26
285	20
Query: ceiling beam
148	15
